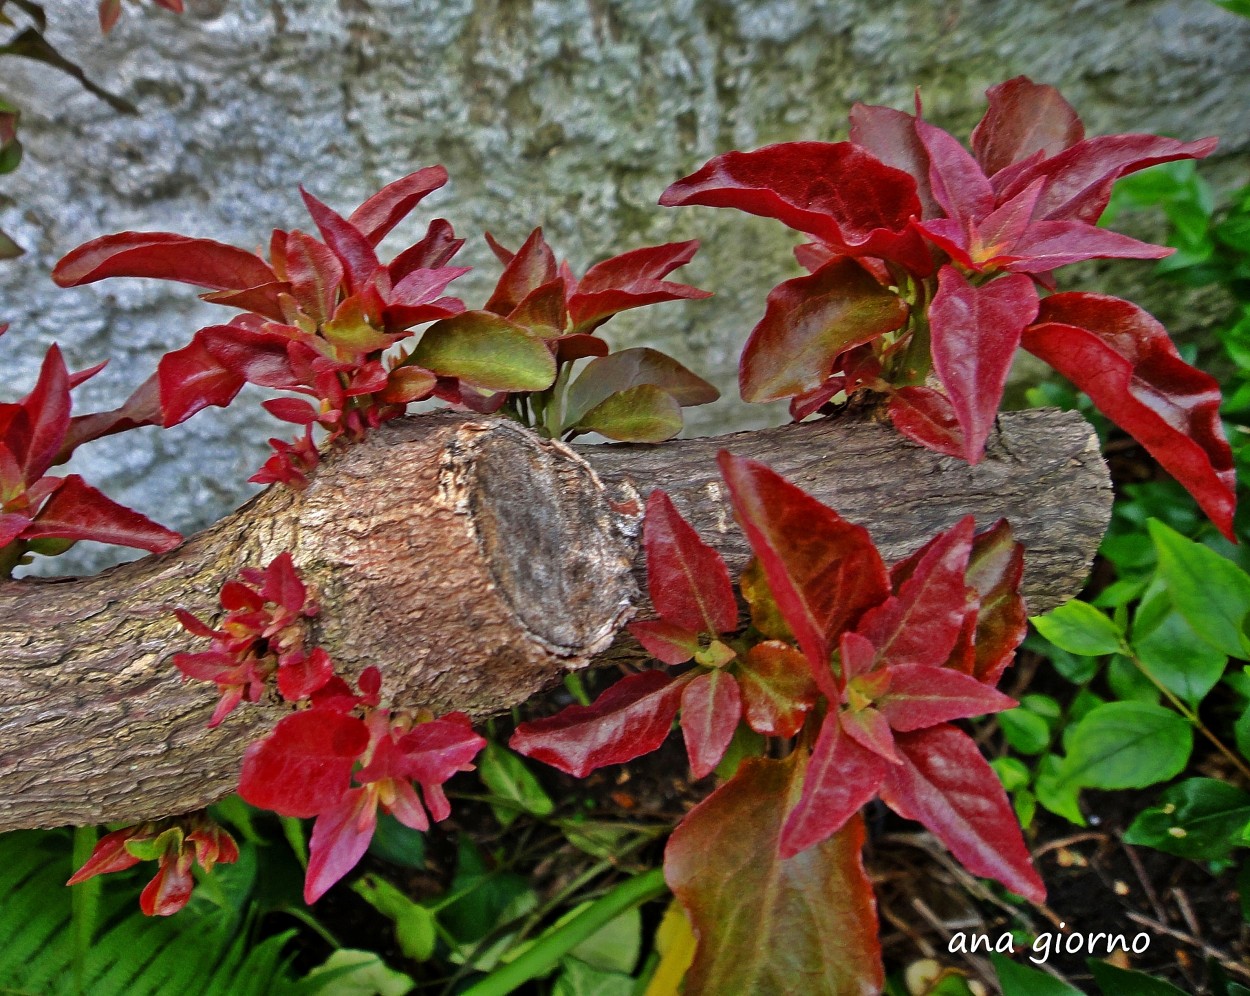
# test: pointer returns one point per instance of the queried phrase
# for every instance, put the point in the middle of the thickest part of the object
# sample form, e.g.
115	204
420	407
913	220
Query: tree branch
474	564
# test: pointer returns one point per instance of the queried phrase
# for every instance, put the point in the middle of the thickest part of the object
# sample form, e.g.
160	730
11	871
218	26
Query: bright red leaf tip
823	571
1124	360
687	579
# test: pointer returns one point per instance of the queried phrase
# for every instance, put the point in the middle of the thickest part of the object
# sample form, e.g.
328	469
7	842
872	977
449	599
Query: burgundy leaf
665	642
47	408
920	625
868	728
631	280
1079	179
260	356
543	311
995	570
143	407
630	719
1023	118
688	581
946	784
1048	245
354	251
315	274
108	855
777	689
958	184
841	776
304	766
808	323
266	299
890	135
529	268
976	330
1123	359
925	416
164	256
390	205
711	706
190	379
823	571
339	840
921	696
78	511
436	249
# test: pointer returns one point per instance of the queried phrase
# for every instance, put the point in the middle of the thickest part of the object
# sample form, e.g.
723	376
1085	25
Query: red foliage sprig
929	269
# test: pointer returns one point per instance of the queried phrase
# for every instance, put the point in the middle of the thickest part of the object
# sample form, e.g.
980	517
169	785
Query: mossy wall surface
574	115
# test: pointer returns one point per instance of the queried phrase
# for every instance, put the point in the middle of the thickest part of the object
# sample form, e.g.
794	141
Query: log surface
474	564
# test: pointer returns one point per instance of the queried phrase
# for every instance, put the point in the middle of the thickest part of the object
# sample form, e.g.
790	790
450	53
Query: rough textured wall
574	114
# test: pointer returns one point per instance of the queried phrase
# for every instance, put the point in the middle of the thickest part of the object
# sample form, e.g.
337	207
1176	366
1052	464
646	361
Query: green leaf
1123	982
1080	629
1056	792
398	844
1012	772
615	946
1213	594
616	372
1241	7
358	973
508	779
1201	818
1127	745
1127	682
1025	731
414	924
1021	980
581	979
486	351
1241	731
1167	645
764	922
642	414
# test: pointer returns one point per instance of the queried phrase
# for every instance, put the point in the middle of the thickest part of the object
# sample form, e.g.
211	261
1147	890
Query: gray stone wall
570	113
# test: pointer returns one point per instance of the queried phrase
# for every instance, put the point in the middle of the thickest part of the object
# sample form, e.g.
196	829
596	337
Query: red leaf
169	891
662	640
976	330
529	268
109	855
808	323
390	205
687	579
190	379
315	274
630	719
766	925
1023	118
295	410
164	256
841	777
260	356
632	280
920	625
265	300
868	728
1048	245
47	408
837	192
78	511
143	407
300	674
890	135
354	251
1123	359
711	706
920	696
304	766
1079	179
946	784
434	751
995	570
777	689
823	571
926	417
339	840
957	182
435	250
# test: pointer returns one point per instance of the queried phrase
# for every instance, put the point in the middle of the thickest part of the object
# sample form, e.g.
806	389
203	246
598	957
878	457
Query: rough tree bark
475	564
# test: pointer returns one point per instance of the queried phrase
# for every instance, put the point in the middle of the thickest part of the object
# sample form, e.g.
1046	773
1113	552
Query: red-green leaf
78	511
767	925
687	579
841	777
607	375
169	891
163	256
808	323
995	570
921	624
304	766
920	696
1124	360
667	643
823	571
777	688
946	784
926	417
632	280
1023	118
487	352
390	205
711	706
976	330
630	719
109	855
641	414
339	840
